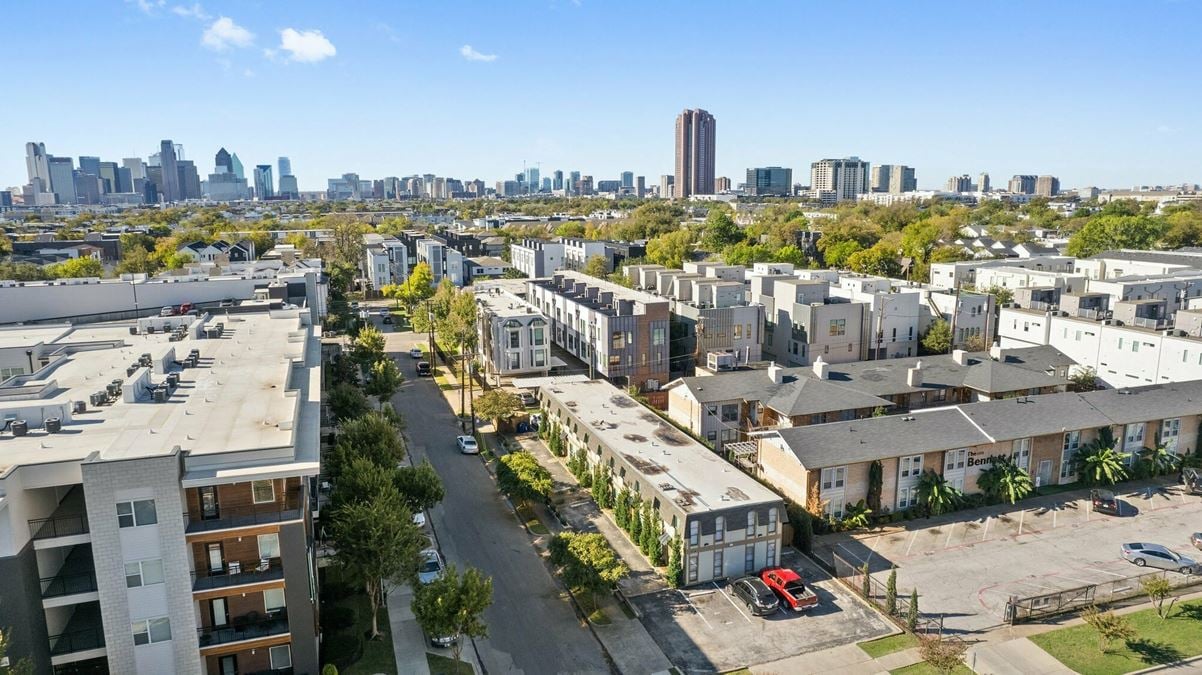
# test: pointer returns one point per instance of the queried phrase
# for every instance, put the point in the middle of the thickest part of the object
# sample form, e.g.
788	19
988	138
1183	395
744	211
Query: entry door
216	559
1045	472
219	612
228	665
209	509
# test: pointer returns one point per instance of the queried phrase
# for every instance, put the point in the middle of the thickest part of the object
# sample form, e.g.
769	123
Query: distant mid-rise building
983	183
769	180
137	167
557	182
1047	186
847	178
573	179
89	165
531	179
666	186
628	179
584	186
236	165
62	179
1023	184
721	184
961	183
169	188
264	185
189	179
288	187
222	162
285	166
893	179
37	164
110	181
608	185
640	186
695	148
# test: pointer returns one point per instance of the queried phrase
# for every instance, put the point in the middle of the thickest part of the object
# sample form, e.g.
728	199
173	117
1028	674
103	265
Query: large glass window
657	337
281	657
749	559
719	529
718	565
773	516
269	545
143	573
832	479
838	327
264	491
694	533
751	522
730	412
617	340
136	513
911	466
537	336
1072	443
273	599
149	631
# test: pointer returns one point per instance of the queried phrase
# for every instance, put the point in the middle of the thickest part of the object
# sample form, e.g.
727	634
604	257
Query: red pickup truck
788	585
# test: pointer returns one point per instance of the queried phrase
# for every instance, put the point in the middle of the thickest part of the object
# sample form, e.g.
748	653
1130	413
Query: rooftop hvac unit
133	330
114	390
173	380
131	370
98	399
160	395
194	352
78	407
53	425
20	427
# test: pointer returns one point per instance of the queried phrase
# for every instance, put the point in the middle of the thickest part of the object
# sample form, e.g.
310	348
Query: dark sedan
754	593
1105	501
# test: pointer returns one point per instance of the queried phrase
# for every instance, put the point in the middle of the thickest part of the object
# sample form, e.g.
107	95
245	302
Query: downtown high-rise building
983	182
628	179
695	147
557	181
769	180
285	166
1023	184
264	185
1047	186
222	162
169	187
236	166
847	177
37	164
531	179
62	179
892	178
573	179
89	165
667	186
961	183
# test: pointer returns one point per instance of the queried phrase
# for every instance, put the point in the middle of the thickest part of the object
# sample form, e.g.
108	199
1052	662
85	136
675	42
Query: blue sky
1099	93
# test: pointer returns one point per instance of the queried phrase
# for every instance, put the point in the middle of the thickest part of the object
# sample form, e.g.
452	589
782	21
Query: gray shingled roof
820	445
799	393
997	376
1026	416
1155	401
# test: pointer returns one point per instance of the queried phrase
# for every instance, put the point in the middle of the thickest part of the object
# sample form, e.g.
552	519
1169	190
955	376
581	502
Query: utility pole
955	312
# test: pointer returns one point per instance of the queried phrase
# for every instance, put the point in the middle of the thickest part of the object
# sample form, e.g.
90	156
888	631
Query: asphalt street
532	629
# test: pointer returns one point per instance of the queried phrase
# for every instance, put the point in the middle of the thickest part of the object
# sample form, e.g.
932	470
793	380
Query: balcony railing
238	573
77	641
68	584
67	525
1150	322
292	508
248	627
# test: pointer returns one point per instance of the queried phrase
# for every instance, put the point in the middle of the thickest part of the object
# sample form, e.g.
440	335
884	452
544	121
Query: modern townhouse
483	267
514	337
385	260
730	407
891	318
804	321
730	525
155	497
619	333
443	260
241	251
1042	434
536	258
963	274
577	252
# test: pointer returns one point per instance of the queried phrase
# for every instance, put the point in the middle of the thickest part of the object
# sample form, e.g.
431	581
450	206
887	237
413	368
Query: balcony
76	575
251	626
238	573
70	519
251	515
82	637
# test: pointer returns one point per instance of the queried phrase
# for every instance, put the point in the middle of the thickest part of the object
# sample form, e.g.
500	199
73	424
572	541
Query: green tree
497	405
838	255
938	338
597	266
1001	295
1099	462
521	477
1084	379
459	328
944	655
587	562
1004	480
1158	461
1109	626
912	611
10	666
1104	232
670	249
368	347
454	605
880	260
675	574
720	231
856	515
384	380
376	541
373	436
76	268
347	402
362	481
936	494
876	476
137	260
866	581
622	508
1158	589
420	486
891	592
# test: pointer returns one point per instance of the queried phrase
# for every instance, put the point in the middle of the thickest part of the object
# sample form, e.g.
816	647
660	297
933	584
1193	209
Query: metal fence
1035	607
875	591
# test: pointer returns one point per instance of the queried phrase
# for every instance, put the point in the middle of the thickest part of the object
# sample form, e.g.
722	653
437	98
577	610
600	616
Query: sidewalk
849	659
408	642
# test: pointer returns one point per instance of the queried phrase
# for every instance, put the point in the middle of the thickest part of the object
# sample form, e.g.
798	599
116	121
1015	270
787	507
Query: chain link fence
1114	592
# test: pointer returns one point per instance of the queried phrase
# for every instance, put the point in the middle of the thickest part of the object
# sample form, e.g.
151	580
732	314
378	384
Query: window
1020	452
269	545
1169	431
143	573
772	518
263	491
617	340
149	631
711	436
540	358
955	459
1072	442
694	533
6	373
907	496
911	466
770	557
692	567
281	657
1135	345
615	360
537	337
832	479
838	327
136	513
834	507
717	572
730	412
657	337
1120	343
738	334
273	599
749	559
515	338
719	529
751	521
513	360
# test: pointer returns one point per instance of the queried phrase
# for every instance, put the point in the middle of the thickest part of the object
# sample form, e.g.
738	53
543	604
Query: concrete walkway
848	659
408	641
1014	657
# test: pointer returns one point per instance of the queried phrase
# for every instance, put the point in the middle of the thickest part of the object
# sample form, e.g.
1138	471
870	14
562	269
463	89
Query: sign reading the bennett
979	458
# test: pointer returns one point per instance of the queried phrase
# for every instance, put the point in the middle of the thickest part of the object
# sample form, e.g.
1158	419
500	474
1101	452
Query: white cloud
224	34
148	6
469	53
194	12
304	46
248	73
388	32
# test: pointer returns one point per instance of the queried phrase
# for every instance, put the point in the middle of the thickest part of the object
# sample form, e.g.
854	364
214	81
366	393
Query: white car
416	352
467	445
419	519
430	568
382	312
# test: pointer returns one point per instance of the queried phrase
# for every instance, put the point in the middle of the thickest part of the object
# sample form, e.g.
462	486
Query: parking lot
702	629
966	565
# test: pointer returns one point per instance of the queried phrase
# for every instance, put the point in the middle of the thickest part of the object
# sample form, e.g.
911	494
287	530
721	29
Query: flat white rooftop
249	391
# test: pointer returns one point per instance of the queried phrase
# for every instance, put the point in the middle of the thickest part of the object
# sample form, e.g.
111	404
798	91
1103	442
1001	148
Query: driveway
532	627
702	629
966	565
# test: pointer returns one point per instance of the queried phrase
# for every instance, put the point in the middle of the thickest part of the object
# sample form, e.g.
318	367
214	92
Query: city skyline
917	111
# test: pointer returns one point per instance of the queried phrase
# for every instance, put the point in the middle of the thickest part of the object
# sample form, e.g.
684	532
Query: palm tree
1159	460
855	515
936	494
1006	481
1098	463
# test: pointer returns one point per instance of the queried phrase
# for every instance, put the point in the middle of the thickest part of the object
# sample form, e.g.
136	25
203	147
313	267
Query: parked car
789	587
383	312
1104	501
167	311
1196	539
430	568
419	519
416	352
387	319
467	445
445	641
760	599
228	302
423	368
1155	555
528	399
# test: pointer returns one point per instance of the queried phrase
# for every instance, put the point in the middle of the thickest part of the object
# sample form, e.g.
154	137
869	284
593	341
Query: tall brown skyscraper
694	153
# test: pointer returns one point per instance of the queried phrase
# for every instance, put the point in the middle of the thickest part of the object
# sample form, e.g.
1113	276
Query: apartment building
891	319
730	524
1041	434
514	337
617	332
443	260
385	260
155	497
804	321
963	274
577	252
537	258
729	407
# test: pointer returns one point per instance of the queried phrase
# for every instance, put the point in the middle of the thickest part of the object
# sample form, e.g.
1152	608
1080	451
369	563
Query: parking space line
1021	516
1096	569
913	536
950	530
986	532
1054	519
697	611
732	602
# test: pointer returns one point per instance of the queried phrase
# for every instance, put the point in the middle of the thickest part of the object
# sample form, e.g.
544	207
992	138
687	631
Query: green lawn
378	656
925	668
888	645
444	665
1157	642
